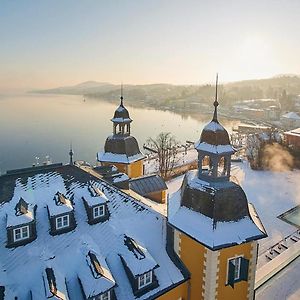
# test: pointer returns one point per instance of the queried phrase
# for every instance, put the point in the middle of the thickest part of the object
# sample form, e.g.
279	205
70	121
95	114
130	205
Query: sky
52	43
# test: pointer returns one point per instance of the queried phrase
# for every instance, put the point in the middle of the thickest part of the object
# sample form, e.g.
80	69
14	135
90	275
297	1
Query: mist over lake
33	125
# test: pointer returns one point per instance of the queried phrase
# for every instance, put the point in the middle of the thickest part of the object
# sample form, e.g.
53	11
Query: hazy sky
58	42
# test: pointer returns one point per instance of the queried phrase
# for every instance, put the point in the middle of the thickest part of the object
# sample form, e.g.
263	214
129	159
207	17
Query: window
21	233
105	296
98	211
145	279
237	270
62	222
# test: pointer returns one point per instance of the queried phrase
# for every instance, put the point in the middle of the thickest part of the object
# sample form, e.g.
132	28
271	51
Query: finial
216	103
71	153
121	94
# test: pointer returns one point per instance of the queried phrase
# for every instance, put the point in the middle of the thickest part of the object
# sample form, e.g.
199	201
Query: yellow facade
192	255
178	293
240	290
159	197
133	170
209	269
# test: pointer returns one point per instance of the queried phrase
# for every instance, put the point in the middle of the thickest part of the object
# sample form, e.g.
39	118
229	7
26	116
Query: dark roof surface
121	114
147	184
214	134
120	144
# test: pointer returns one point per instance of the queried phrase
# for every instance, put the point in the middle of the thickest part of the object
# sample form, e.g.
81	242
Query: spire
71	153
216	103
121	98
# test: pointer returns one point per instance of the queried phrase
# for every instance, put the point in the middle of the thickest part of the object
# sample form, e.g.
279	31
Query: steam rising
276	158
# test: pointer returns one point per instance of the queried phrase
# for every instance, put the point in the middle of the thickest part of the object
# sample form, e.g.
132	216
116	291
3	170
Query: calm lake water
40	125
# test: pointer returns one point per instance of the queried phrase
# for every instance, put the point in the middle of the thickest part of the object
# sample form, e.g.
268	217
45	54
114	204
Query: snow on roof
24	265
54	283
295	132
214	126
118	158
202	229
216	149
291	115
137	257
95	275
14	219
94	196
121	120
59	205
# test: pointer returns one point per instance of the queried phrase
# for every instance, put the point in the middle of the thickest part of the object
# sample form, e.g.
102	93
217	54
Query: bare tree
166	147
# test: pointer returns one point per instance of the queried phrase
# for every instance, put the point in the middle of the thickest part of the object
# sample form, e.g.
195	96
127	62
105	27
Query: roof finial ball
216	103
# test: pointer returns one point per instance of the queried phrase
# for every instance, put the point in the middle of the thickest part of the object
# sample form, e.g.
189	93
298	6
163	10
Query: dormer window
62	222
21	224
61	214
98	211
95	203
145	279
21	233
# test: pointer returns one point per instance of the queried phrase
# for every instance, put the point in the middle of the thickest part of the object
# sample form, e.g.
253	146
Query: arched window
222	166
207	165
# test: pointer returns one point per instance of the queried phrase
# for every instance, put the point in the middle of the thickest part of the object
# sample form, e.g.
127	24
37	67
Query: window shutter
231	269
244	269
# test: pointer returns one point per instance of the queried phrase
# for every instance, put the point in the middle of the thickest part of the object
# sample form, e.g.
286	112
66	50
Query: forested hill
170	95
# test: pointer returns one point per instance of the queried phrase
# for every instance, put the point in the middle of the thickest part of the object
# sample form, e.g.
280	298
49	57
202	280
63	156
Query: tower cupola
214	148
121	120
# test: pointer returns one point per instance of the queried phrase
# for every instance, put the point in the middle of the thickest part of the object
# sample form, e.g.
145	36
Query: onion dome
121	114
214	137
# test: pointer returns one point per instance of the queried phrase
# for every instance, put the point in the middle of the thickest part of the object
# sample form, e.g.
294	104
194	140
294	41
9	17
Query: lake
35	125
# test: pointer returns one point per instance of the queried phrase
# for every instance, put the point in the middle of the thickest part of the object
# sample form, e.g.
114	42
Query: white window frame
145	279
62	222
23	236
97	210
237	271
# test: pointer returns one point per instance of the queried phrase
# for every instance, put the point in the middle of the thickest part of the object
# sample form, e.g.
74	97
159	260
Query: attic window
97	269
51	280
134	247
145	279
104	296
98	211
21	233
62	222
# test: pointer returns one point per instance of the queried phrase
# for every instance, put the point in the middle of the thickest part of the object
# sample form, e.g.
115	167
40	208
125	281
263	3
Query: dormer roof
137	257
24	214
95	276
60	205
94	196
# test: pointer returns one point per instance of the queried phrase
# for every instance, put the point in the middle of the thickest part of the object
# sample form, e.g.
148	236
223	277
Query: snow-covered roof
94	196
55	285
202	228
67	252
137	257
121	120
118	158
216	149
207	221
95	275
291	115
295	132
59	205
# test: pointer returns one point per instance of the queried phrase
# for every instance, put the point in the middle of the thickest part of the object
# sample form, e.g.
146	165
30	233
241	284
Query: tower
212	227
71	153
121	149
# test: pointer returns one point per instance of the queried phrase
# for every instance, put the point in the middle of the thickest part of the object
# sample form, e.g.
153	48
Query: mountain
81	88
